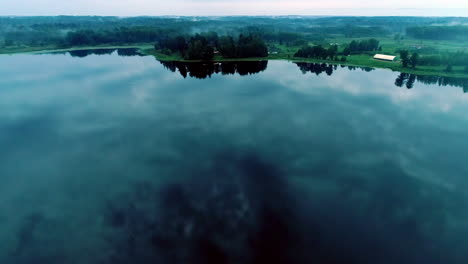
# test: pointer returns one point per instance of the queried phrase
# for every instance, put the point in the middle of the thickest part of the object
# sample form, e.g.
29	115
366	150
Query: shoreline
393	66
147	49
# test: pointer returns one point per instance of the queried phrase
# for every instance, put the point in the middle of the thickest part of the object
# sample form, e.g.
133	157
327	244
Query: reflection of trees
120	52
128	52
319	68
316	68
405	79
409	79
353	68
204	70
84	53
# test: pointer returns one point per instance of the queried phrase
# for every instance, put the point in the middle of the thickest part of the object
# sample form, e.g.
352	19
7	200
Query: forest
439	32
289	30
437	43
204	46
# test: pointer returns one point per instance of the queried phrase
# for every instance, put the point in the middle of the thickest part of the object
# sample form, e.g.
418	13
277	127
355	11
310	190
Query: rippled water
123	159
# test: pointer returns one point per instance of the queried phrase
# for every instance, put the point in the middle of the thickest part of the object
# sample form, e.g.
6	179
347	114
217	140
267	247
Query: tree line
204	46
449	60
318	52
121	35
331	53
356	47
438	32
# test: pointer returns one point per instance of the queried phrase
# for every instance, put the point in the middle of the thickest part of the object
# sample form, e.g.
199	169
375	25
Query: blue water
123	159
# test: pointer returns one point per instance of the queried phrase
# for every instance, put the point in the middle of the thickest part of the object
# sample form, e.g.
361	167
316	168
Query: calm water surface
112	158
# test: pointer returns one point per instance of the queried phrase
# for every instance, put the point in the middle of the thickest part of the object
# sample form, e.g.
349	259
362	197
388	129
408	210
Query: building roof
384	57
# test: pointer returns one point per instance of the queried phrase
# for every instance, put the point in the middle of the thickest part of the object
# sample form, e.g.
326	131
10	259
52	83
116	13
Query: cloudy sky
234	7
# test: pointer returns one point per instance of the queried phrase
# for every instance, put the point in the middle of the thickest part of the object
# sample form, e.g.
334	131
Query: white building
384	57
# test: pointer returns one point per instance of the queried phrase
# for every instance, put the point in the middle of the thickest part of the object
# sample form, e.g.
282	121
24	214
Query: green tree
404	57
251	46
332	50
227	47
198	49
346	51
449	68
414	59
8	42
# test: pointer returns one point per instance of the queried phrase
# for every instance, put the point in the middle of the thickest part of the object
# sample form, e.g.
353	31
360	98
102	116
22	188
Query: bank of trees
203	46
246	46
409	60
448	60
317	52
356	47
438	32
116	36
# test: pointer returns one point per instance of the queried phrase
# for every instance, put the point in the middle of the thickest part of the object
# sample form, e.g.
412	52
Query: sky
235	7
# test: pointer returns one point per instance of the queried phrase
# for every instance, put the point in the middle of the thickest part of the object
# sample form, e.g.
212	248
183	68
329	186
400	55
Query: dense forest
439	32
355	47
204	46
290	30
203	38
317	52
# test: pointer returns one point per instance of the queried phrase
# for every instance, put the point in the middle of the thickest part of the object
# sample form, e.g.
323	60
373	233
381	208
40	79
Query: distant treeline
455	59
116	36
39	31
439	32
285	38
318	52
331	53
86	37
448	60
356	47
203	46
348	31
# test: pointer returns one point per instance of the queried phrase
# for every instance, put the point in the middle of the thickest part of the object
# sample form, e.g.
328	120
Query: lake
111	157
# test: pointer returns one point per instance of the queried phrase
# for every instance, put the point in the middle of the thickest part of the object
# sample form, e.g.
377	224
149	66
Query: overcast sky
234	7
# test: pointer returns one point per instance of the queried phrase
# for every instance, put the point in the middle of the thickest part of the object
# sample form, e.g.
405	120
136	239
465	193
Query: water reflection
319	68
403	79
277	168
408	80
202	70
88	52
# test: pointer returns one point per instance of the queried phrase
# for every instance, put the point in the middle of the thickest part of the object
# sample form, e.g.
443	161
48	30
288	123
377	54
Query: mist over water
120	159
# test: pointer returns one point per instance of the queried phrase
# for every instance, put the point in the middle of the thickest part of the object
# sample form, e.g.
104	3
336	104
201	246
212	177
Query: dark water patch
243	210
222	214
203	70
